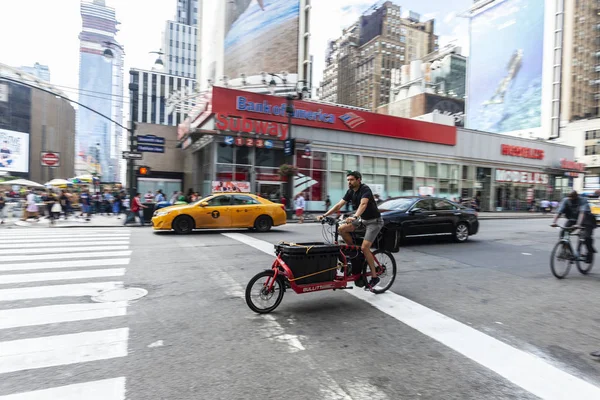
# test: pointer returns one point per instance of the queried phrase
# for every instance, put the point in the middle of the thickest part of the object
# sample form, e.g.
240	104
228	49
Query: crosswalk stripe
64	275
62	249
71	290
61	235
32	257
40	245
33	316
109	262
69	239
106	389
46	229
50	351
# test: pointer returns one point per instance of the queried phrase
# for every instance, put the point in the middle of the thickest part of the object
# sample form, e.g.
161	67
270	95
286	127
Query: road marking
33	316
51	351
72	290
521	368
81	229
63	275
58	236
63	249
51	246
107	389
109	262
69	239
526	254
67	255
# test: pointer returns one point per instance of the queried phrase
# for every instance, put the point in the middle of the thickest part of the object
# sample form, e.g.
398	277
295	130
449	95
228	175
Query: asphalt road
479	320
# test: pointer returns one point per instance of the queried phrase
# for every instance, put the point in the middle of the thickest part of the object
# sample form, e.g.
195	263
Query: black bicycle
564	256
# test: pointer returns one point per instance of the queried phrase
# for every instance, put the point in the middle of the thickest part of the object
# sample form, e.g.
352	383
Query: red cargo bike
312	267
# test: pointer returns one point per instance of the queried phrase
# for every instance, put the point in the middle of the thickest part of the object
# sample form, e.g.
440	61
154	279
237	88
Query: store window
395	167
407	168
224	154
242	155
337	185
269	157
367	165
380	166
337	162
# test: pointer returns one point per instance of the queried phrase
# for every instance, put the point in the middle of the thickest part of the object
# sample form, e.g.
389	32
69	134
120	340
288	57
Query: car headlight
161	213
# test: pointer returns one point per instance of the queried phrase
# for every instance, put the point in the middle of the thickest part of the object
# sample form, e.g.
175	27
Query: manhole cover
123	294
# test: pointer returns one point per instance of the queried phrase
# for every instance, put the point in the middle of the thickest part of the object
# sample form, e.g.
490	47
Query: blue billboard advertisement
505	67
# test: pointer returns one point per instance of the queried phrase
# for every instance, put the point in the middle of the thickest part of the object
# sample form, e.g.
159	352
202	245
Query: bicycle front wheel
258	296
385	264
582	263
561	260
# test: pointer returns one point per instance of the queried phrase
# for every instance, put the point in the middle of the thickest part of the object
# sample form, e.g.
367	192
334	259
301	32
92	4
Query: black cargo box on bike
310	262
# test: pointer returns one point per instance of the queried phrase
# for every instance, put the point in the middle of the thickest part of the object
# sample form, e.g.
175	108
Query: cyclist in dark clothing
577	211
366	214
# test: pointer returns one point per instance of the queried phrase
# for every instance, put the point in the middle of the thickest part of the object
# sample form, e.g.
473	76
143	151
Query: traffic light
143	171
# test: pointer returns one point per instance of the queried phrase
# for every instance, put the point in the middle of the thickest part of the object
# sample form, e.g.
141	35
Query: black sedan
427	216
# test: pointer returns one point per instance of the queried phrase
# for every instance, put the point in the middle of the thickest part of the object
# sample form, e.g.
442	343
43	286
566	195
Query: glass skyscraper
99	142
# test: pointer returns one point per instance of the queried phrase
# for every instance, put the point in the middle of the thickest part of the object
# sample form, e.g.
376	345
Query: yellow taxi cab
595	207
221	211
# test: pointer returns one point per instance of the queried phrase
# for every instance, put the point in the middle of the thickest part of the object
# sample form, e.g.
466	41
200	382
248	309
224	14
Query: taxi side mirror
204	204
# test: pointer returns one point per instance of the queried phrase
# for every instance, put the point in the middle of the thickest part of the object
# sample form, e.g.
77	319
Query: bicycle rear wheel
387	274
582	265
561	260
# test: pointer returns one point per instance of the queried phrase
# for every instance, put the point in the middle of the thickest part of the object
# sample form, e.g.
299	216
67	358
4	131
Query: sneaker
373	282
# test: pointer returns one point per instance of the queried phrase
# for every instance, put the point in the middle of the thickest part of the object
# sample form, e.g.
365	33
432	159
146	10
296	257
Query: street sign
150	139
289	146
50	159
229	140
132	155
150	148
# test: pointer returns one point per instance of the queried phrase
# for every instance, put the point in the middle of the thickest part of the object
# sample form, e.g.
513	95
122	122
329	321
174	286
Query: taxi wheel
263	223
183	224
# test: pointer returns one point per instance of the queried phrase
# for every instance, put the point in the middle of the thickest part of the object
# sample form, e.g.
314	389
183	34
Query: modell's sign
524	152
275	130
566	164
503	175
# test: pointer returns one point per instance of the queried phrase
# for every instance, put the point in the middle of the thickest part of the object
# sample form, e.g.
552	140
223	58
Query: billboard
506	67
230	186
14	151
261	35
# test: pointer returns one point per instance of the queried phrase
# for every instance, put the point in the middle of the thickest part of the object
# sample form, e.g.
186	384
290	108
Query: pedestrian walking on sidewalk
300	204
2	207
137	209
86	203
32	208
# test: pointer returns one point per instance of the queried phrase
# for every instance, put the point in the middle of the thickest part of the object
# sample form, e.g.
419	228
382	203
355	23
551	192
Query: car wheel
263	223
183	225
461	232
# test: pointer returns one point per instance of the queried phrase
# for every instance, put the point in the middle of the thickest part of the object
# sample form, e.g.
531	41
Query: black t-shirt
363	192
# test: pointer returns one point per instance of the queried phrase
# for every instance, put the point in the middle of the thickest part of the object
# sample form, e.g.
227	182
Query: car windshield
396	204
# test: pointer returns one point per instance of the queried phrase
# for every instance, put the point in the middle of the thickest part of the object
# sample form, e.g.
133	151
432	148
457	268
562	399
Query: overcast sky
47	31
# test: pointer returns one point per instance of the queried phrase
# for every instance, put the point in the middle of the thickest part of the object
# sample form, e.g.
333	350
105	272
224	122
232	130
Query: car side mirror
415	211
204	204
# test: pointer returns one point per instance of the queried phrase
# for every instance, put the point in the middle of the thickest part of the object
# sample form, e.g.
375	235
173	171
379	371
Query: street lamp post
300	94
133	89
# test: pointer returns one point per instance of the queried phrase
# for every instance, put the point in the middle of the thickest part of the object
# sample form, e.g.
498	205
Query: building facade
187	12
33	122
368	51
581	69
155	87
99	143
179	48
234	141
38	70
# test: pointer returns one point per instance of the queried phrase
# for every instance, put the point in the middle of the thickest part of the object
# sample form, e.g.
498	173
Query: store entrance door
270	190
